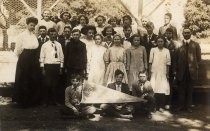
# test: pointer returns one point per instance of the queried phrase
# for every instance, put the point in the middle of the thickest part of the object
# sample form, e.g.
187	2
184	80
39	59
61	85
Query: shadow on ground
48	118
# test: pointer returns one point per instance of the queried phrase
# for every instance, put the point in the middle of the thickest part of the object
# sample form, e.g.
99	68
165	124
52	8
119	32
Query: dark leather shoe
149	116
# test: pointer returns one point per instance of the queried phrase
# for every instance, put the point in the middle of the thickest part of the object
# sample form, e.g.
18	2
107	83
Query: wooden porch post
140	8
39	9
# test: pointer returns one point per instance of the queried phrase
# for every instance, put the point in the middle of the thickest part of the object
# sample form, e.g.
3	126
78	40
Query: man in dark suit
148	40
171	45
43	37
65	38
186	64
167	18
142	88
118	110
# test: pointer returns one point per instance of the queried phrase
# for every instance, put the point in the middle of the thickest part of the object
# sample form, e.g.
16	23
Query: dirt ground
48	119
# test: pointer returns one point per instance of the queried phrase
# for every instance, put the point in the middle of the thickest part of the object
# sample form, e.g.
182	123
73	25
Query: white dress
159	60
97	65
89	44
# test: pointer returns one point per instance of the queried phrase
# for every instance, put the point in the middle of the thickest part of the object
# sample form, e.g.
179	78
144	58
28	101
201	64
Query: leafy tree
197	17
4	25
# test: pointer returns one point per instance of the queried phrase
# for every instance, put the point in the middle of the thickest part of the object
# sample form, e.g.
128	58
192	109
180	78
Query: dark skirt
27	79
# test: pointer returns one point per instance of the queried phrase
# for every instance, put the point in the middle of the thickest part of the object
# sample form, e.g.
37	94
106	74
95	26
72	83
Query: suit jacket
61	40
76	55
42	42
147	88
124	87
183	61
163	29
149	43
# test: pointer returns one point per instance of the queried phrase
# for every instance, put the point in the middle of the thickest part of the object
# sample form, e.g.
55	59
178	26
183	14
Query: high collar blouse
26	40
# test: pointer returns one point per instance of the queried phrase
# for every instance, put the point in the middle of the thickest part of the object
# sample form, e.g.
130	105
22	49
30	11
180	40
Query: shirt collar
187	41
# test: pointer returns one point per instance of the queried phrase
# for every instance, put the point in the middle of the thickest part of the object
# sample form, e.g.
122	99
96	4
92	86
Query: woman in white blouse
27	79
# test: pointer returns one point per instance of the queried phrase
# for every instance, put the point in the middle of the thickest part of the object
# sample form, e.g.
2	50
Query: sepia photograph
104	65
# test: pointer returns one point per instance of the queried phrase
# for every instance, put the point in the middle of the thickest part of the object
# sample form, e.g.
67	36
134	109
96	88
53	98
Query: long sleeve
107	56
18	47
145	58
128	58
151	55
61	55
68	98
66	55
198	53
148	89
84	57
134	90
42	56
124	57
168	57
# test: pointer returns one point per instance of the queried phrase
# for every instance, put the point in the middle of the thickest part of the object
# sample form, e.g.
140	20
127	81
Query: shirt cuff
61	65
41	64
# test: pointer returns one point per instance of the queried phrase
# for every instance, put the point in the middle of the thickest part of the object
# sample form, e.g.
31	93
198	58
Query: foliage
91	8
197	17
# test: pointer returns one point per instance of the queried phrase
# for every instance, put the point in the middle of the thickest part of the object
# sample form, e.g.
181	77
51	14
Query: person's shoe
149	116
167	107
161	110
189	110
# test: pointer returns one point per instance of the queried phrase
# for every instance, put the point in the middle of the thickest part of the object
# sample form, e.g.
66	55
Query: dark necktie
187	48
54	46
42	40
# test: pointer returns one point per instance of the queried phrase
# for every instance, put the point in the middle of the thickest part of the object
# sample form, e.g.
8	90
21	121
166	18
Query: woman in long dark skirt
27	80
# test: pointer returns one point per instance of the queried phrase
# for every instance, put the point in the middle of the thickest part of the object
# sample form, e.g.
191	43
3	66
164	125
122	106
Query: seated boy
73	96
118	110
142	88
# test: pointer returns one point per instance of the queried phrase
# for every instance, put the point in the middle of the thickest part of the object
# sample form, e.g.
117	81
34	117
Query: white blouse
47	24
25	40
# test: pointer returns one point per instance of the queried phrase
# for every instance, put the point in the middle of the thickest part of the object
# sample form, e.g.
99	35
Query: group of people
125	58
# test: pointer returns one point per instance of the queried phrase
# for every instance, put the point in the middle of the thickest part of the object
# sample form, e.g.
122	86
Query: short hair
118	35
169	14
99	35
169	30
128	17
118	72
51	30
114	18
126	27
65	12
161	37
67	27
86	28
42	27
31	20
104	18
75	30
107	27
86	18
133	36
142	72
150	25
75	76
46	10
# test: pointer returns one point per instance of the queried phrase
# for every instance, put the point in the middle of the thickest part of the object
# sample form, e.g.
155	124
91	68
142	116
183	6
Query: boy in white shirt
51	62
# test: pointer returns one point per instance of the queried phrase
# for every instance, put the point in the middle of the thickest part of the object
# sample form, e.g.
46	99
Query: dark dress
27	79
